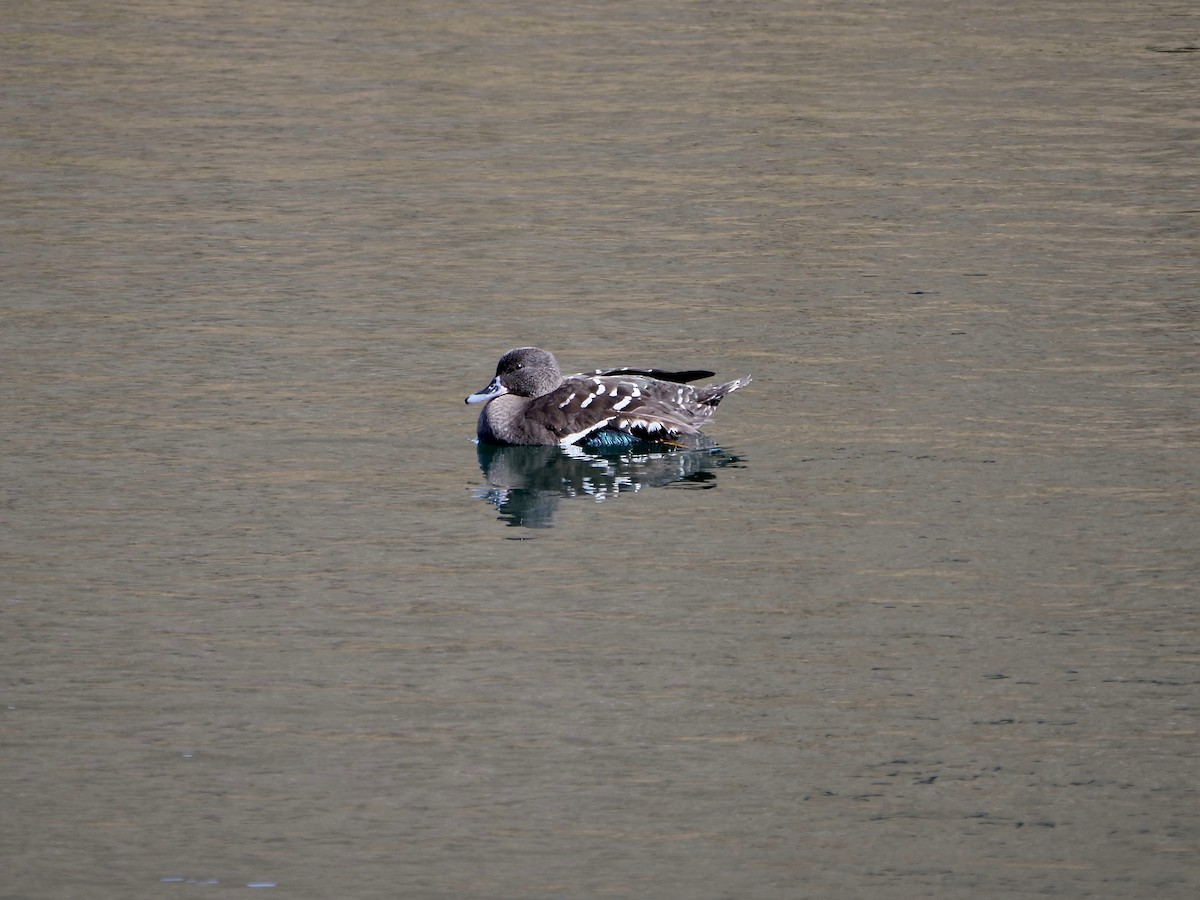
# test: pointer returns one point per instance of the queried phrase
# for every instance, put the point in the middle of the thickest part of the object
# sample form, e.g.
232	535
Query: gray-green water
933	633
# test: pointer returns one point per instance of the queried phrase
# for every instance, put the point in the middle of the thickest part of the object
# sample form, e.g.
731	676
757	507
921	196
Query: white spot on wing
567	401
572	438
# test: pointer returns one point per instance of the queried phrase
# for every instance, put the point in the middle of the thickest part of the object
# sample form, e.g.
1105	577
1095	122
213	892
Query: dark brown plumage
530	402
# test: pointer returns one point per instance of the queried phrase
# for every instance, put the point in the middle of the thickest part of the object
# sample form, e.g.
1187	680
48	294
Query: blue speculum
609	438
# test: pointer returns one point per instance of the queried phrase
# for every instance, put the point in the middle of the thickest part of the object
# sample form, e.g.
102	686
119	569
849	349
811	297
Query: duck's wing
643	406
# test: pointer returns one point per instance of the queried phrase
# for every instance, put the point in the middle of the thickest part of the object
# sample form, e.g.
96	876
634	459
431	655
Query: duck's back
640	405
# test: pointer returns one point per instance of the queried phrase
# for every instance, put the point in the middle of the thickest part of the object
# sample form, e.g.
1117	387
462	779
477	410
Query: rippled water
920	621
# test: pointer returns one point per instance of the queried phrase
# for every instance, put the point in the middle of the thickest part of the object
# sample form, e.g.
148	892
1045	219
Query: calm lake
919	618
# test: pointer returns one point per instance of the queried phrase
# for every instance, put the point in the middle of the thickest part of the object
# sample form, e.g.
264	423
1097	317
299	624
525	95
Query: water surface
933	634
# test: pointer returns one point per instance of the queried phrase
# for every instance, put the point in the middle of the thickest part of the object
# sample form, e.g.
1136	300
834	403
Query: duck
530	402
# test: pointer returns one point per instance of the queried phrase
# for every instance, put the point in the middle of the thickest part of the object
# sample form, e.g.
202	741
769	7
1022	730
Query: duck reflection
526	484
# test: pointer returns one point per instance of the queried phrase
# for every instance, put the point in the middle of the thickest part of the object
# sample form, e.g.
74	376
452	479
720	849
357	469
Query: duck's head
525	371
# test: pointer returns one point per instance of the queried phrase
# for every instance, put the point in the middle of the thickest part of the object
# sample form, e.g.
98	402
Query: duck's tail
712	394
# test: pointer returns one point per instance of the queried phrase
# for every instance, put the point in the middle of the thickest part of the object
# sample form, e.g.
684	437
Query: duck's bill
493	390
